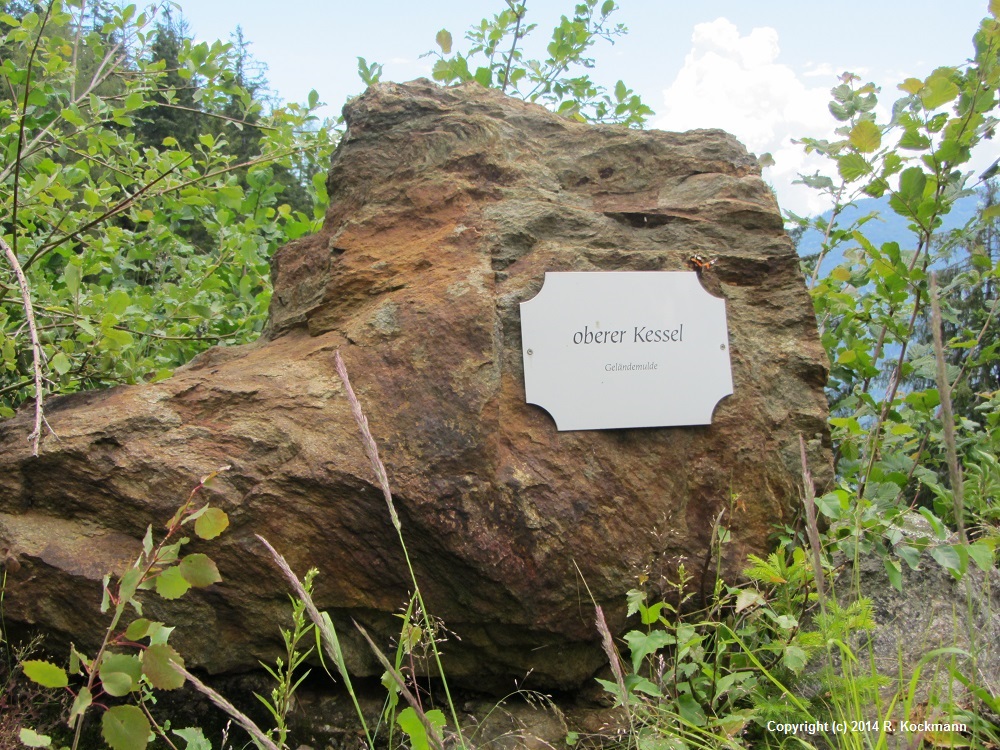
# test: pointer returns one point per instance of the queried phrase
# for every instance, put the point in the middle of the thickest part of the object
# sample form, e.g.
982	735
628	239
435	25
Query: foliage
498	43
776	650
141	213
146	180
888	425
123	666
279	703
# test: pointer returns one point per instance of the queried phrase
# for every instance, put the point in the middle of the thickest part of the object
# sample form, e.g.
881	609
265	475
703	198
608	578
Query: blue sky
761	70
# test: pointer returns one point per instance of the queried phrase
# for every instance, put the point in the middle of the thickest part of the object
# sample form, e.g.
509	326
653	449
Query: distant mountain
888	226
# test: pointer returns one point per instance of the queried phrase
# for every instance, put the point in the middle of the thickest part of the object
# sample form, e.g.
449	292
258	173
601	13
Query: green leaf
80	704
411	725
31	738
690	710
895	572
137	629
134	100
156	661
636	600
158	633
939	89
194	737
117	302
115	339
199	570
991	212
651	615
45	673
747	598
211	523
794	658
866	137
642	645
914	140
484	77
59	192
128	584
982	555
443	40
909	554
71	278
120	673
852	167
125	728
912	182
170	584
951	557
60	363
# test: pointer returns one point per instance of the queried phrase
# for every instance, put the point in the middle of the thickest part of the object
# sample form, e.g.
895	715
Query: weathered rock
447	206
936	627
934	611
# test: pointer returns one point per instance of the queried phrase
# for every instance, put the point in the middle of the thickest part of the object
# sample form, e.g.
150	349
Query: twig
430	729
947	416
116	209
19	156
812	529
240	718
155	723
36	347
513	46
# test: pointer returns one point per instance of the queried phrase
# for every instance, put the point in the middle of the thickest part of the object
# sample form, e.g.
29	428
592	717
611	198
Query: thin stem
379	468
19	156
947	416
519	13
159	729
812	528
240	718
36	346
327	635
413	700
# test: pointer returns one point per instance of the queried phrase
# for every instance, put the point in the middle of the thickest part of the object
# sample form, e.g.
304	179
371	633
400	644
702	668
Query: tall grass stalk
371	449
239	717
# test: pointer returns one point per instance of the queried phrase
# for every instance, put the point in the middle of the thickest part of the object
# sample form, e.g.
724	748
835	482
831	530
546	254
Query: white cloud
735	82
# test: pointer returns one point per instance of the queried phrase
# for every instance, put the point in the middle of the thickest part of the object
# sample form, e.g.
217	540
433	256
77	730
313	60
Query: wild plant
125	667
286	671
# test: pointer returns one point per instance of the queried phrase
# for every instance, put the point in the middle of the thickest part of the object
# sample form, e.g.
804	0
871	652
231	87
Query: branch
18	157
36	348
513	46
947	417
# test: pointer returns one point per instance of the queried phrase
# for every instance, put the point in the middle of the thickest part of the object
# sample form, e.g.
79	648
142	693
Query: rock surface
447	207
934	611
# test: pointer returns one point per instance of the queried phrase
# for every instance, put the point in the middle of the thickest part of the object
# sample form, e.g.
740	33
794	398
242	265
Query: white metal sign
604	350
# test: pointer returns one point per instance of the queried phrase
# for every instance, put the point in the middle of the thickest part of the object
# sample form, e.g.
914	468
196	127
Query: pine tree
177	114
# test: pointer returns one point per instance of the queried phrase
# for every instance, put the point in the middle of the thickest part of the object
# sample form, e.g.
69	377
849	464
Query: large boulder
447	207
